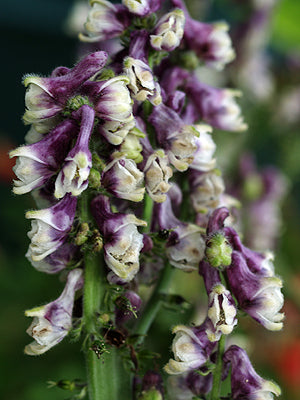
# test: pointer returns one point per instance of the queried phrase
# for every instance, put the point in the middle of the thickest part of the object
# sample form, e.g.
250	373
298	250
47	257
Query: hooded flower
210	42
216	106
73	177
122	241
52	322
185	245
191	348
115	132
176	138
245	382
168	32
46	98
105	21
142	8
203	157
37	162
123	179
50	227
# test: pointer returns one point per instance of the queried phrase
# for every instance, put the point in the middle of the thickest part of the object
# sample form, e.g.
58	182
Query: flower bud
123	179
245	382
73	177
50	228
142	82
168	31
218	251
51	323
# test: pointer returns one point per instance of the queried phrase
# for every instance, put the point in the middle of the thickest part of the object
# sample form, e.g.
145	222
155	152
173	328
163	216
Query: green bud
151	394
218	251
94	179
83	234
74	103
97	241
98	164
106	74
188	60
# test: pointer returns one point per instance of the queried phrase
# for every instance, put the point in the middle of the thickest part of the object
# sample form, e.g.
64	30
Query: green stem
147	213
99	371
154	303
217	373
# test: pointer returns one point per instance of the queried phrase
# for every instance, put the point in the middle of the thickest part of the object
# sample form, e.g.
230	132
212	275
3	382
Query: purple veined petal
168	31
52	322
245	382
191	348
46	97
105	21
174	78
50	228
216	220
39	161
73	177
139	45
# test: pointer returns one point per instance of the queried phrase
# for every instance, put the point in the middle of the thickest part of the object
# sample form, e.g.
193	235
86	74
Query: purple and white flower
50	227
142	83
123	179
52	322
73	177
206	147
142	8
168	32
37	162
245	382
157	174
122	241
191	348
185	245
115	131
46	98
177	139
188	385
105	21
216	106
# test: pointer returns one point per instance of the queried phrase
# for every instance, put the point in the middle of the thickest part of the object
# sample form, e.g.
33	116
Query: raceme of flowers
123	130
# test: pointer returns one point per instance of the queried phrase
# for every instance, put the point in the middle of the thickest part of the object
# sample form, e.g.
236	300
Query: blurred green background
34	40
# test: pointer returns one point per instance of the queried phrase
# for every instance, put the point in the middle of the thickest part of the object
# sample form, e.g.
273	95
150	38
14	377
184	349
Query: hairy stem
217	373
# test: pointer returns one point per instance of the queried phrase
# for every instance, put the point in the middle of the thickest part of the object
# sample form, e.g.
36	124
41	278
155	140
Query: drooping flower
216	106
105	21
46	98
122	241
185	245
122	178
177	139
168	31
37	162
245	382
191	348
73	177
52	322
50	227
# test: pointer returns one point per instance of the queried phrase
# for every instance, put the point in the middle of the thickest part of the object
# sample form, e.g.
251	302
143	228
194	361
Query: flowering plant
120	160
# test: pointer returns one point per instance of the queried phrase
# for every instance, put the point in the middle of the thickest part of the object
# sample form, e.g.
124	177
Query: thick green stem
154	303
217	373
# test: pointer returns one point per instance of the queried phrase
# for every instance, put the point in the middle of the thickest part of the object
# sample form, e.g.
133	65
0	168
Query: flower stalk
217	372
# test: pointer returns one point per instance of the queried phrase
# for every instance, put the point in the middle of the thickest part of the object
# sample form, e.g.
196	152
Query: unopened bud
94	179
218	251
97	241
151	394
82	235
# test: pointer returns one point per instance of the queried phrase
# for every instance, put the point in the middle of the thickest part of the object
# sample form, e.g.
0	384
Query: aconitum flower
123	179
188	385
115	131
73	177
245	382
216	106
105	21
46	98
177	139
52	322
191	348
142	8
37	162
185	245
50	227
168	32
210	42
206	147
122	241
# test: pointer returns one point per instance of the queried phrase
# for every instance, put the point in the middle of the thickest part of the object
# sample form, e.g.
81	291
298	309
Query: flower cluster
120	160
